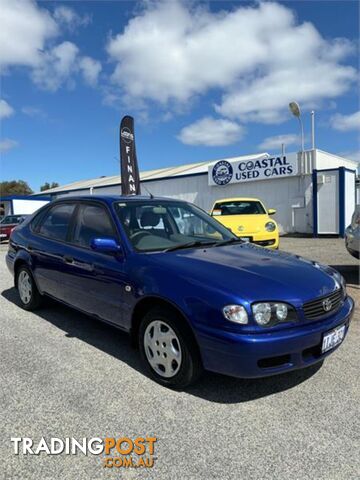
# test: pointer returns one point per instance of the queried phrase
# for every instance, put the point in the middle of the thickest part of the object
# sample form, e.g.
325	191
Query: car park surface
68	375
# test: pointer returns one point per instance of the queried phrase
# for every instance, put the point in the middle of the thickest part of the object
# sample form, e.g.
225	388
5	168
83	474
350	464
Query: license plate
333	338
2	235
245	239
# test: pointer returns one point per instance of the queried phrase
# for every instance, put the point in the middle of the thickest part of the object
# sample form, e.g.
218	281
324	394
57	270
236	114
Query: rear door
94	282
48	245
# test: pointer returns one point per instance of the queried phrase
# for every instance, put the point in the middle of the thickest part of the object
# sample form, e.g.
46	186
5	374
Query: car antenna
150	194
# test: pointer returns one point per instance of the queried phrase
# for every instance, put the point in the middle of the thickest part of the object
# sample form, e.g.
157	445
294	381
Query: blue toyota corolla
191	294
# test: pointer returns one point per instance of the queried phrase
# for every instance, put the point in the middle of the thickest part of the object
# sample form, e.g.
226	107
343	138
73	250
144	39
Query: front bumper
264	239
269	353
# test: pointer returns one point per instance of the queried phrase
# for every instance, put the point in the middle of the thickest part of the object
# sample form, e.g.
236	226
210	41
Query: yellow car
248	219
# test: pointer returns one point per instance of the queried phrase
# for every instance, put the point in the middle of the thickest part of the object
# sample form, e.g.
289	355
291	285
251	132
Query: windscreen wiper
196	243
229	241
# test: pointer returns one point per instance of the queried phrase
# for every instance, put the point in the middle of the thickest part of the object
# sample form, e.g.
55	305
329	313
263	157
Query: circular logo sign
126	135
327	304
222	172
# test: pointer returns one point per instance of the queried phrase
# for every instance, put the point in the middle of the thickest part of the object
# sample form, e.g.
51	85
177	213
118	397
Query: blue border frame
342	202
315	203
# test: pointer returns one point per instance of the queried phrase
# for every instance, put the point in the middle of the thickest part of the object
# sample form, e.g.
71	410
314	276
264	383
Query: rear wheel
168	351
30	297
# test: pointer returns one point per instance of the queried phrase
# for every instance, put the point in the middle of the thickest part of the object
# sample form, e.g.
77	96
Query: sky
203	80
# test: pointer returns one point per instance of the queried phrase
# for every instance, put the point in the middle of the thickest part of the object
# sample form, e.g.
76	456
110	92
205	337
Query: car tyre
30	297
163	338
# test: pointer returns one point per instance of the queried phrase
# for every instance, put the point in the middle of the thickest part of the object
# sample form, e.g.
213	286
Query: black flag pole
130	177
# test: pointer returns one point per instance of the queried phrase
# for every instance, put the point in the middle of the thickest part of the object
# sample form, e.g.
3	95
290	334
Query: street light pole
295	110
302	133
312	130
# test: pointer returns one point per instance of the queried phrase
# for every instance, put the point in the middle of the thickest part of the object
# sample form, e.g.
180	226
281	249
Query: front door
94	282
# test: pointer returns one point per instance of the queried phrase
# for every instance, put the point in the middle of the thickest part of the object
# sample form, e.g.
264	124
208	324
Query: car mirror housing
271	211
106	245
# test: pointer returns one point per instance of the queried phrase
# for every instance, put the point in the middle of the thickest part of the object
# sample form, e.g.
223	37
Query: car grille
315	308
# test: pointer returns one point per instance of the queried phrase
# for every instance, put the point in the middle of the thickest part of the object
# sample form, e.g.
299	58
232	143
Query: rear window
236	207
55	223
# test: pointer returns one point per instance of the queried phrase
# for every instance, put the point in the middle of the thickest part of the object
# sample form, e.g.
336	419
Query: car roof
242	199
116	198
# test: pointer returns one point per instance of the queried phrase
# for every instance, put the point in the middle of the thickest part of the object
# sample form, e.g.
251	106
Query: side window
56	222
92	221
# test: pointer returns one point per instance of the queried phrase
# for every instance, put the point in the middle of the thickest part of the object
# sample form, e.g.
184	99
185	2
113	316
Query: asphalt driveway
65	375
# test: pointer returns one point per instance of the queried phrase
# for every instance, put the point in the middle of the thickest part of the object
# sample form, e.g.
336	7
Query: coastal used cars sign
224	172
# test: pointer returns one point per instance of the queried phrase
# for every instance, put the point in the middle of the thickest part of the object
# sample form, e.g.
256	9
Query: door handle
68	259
30	248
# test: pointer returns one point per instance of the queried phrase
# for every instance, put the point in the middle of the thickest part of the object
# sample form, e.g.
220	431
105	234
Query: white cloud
275	142
211	132
25	33
24	30
345	123
7	144
6	110
90	69
66	16
56	66
258	57
59	65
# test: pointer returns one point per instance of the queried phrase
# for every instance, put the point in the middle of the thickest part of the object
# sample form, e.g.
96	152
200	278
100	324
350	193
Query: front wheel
30	297
168	349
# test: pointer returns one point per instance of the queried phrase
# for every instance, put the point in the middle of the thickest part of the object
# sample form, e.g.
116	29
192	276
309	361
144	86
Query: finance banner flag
130	178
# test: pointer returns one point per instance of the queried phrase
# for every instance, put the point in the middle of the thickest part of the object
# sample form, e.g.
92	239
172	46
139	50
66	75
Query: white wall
281	194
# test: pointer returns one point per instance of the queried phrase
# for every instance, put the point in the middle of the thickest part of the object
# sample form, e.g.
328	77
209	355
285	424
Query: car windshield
239	207
164	225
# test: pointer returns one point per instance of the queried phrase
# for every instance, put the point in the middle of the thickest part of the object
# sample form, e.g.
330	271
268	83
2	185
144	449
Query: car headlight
270	226
268	314
236	313
343	284
340	280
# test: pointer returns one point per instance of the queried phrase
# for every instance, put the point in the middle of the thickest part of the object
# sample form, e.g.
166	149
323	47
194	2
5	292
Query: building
313	191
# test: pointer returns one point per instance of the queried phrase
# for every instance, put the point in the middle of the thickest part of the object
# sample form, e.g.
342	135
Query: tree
47	185
15	187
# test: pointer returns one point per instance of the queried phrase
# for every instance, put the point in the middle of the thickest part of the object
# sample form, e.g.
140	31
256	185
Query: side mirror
106	245
271	211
